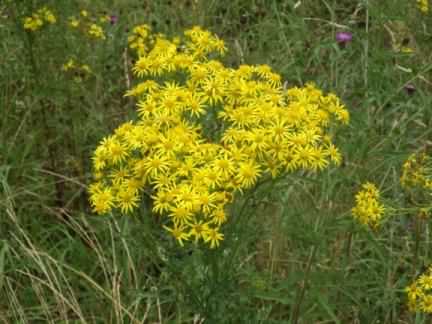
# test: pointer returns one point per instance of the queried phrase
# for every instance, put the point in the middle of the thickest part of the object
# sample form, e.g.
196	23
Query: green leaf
3	251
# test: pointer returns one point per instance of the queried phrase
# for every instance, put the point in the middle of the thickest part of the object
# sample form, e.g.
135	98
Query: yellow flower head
419	293
96	31
417	171
69	65
80	71
74	22
423	6
140	39
368	209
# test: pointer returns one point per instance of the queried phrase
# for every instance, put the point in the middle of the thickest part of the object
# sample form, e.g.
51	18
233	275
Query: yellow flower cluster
417	172
74	22
423	6
96	31
141	39
420	293
211	134
39	18
80	71
88	24
368	209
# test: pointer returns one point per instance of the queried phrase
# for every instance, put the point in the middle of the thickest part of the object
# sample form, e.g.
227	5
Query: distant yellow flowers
80	71
96	31
423	6
417	171
85	22
368	209
207	132
39	18
74	22
416	179
88	24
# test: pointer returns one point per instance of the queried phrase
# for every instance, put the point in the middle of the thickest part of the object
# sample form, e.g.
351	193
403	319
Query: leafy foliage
292	251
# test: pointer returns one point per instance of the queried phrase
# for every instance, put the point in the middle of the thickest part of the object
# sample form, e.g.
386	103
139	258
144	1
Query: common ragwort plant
300	258
207	132
416	180
420	293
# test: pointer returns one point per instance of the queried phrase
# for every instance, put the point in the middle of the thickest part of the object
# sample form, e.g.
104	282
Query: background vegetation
302	258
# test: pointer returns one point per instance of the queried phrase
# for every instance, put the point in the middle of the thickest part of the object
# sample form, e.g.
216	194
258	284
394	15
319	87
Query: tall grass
294	254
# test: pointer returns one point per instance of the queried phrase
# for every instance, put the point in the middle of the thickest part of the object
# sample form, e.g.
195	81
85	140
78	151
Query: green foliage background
293	253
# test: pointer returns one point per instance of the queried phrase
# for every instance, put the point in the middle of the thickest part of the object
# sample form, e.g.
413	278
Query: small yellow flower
96	31
213	237
162	201
219	216
102	200
368	210
423	6
180	214
73	22
198	230
50	18
68	65
114	150
178	231
85	68
127	198
248	173
104	19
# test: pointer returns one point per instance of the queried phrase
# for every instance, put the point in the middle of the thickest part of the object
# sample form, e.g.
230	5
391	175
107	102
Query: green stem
52	152
302	289
240	221
417	242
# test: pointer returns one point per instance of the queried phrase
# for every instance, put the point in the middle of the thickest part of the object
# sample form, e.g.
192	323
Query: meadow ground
292	250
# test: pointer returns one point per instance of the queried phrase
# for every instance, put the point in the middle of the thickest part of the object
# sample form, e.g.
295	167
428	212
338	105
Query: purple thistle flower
343	37
113	19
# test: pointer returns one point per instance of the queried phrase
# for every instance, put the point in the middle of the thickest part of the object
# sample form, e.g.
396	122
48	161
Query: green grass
296	255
